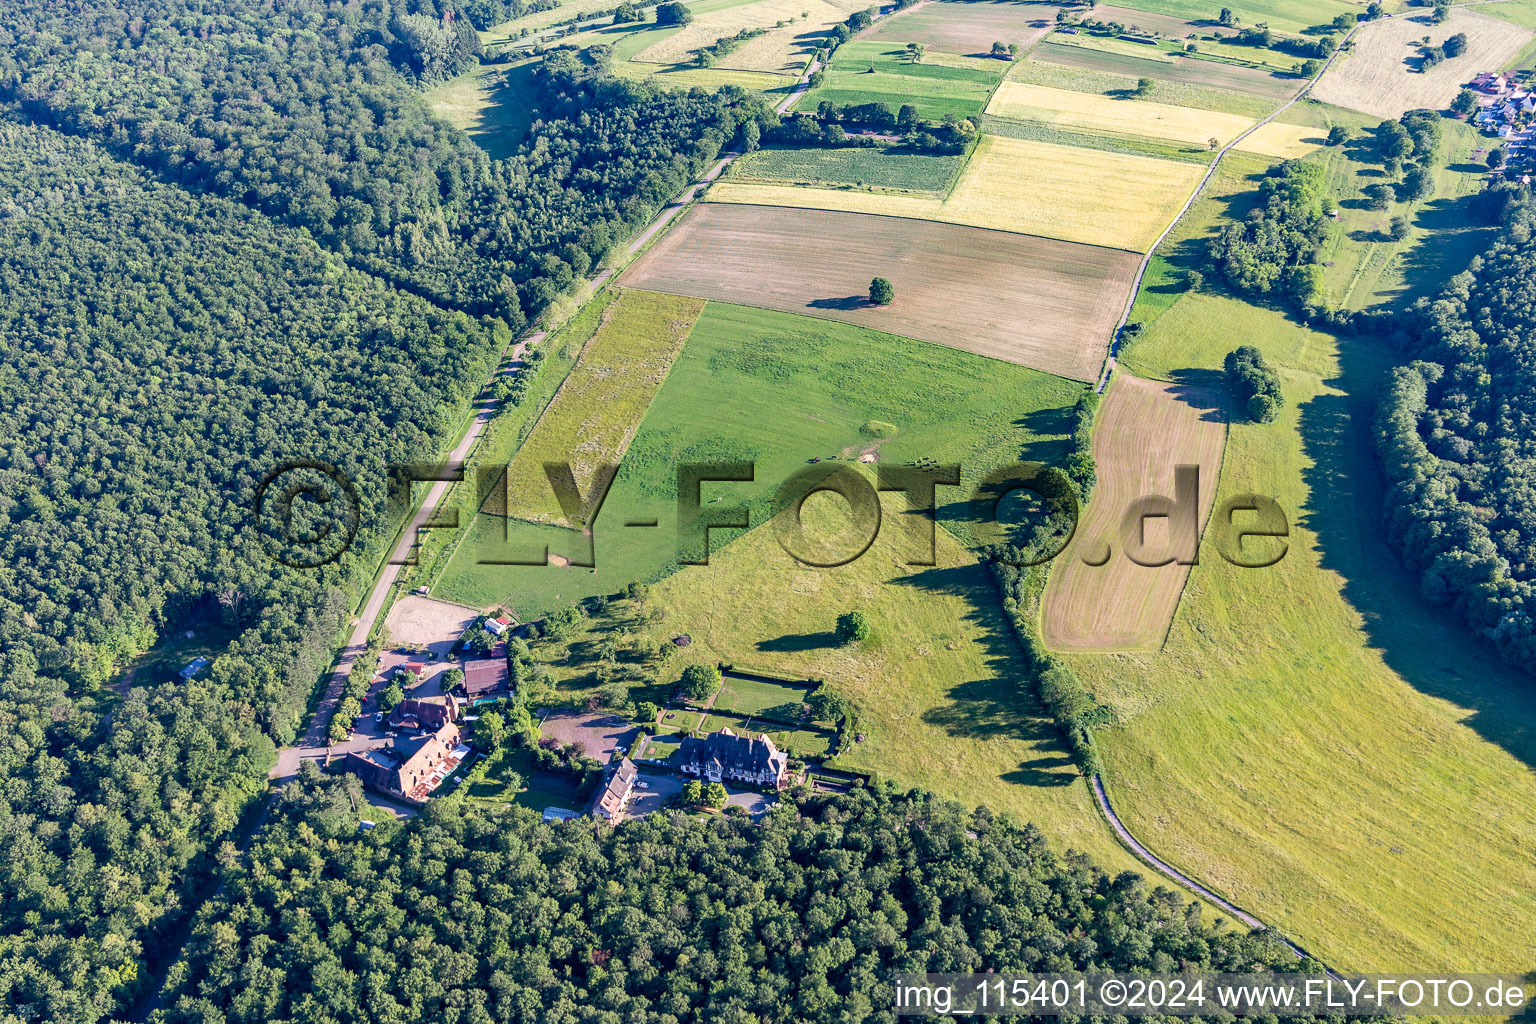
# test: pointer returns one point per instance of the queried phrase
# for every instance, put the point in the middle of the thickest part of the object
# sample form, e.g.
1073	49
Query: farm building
430	713
485	677
724	755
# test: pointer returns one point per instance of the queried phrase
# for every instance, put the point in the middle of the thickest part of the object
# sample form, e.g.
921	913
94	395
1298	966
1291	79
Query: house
726	757
496	627
1489	82
412	767
556	814
194	667
613	798
413	669
485	677
426	713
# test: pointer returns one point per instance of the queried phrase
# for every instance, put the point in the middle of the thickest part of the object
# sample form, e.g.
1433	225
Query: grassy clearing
1291	16
778	390
1093	196
761	696
794	29
954	285
1313	739
867	168
493	104
1382	77
934	89
599	407
939	686
1114	115
968	27
1143	430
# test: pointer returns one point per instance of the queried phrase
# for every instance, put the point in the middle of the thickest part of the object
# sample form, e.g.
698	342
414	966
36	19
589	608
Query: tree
673	13
693	792
1226	17
391	696
1144	86
715	795
853	627
700	682
881	292
1465	103
626	13
1417	184
562	623
645	711
1214	143
1254	383
1496	157
1398	228
906	117
492	730
1194	280
1456	45
1337	135
1442	13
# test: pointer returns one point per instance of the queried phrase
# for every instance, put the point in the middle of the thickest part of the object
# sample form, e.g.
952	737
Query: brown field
1382	75
969	27
787	45
1182	70
1162	24
1145	428
1037	302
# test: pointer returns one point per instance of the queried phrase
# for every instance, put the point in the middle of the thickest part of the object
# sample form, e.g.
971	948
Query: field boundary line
1162	867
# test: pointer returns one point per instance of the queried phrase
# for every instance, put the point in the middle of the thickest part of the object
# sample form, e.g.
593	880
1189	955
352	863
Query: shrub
1254	383
853	627
700	682
881	292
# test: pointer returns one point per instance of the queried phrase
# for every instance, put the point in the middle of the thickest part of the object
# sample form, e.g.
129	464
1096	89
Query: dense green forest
161	351
1457	434
491	915
309	111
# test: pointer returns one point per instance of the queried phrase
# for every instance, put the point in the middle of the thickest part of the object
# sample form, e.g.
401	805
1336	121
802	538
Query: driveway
756	803
661	789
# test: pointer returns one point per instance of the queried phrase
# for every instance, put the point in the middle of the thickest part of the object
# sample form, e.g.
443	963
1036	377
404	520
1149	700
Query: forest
1457	438
491	915
161	351
310	113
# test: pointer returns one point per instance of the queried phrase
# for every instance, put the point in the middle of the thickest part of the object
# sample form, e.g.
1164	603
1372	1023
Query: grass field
777	390
1167	69
933	89
597	410
761	696
939	687
1382	75
1034	131
1293	16
1312	739
1114	116
1170	89
1072	193
538	20
784	48
1144	429
885	169
493	104
1037	302
968	27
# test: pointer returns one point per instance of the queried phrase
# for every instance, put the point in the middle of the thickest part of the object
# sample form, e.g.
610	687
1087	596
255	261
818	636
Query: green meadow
783	392
884	169
879	72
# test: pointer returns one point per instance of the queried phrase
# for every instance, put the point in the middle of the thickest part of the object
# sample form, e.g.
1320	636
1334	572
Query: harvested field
1036	302
1145	428
1036	188
598	408
1284	141
968	27
1096	113
783	48
416	621
1383	77
1179	71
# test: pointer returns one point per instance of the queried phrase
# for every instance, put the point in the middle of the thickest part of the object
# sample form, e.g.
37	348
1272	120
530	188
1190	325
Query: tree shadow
797	642
845	303
1205	391
1425	645
1043	771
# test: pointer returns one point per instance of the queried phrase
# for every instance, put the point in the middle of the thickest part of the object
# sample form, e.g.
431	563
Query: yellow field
1284	141
1091	112
783	49
1382	76
597	410
1035	188
1144	430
